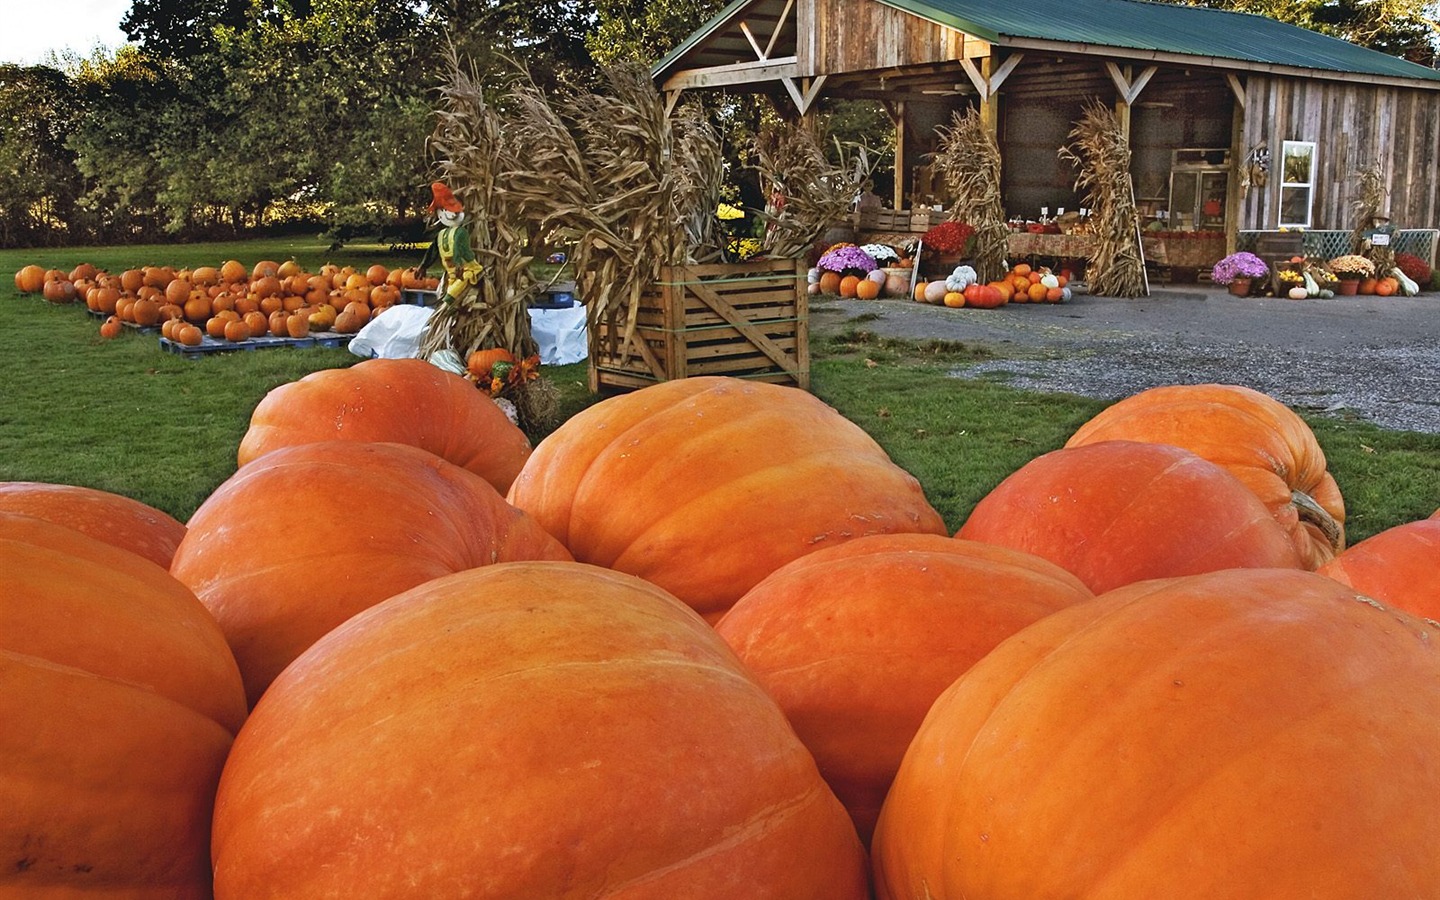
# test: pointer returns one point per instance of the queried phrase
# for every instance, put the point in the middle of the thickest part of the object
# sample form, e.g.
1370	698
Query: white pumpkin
1049	280
813	276
876	275
961	278
1298	293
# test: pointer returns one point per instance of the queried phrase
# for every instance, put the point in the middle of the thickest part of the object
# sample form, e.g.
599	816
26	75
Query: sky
32	27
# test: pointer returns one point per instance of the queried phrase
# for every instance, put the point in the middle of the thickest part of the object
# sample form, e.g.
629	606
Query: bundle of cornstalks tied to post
477	153
1102	155
968	161
633	189
807	192
1367	206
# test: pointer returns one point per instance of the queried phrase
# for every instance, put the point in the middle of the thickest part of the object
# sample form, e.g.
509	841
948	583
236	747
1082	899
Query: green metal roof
1139	25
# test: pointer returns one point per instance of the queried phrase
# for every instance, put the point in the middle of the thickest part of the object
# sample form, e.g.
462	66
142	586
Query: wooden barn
1238	124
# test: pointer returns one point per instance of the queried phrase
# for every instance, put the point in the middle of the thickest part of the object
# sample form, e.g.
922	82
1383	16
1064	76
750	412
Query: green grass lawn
128	417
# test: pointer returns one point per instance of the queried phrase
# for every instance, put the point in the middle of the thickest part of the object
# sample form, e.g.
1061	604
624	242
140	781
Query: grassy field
128	417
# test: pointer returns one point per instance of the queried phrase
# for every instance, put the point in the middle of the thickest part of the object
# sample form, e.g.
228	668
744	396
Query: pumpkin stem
1313	513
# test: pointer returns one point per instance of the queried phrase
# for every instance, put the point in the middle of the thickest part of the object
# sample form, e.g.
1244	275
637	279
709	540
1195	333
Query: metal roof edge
939	17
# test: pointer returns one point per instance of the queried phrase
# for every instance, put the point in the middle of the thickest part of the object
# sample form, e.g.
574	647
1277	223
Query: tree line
222	118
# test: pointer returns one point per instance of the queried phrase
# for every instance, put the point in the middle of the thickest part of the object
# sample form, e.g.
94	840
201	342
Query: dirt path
1375	357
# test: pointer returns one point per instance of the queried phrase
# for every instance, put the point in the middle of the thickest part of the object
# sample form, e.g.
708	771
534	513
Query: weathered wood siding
855	36
1354	125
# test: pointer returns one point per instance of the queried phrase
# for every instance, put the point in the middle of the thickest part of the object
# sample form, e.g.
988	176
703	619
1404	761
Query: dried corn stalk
808	193
1102	155
968	161
1368	205
476	154
632	190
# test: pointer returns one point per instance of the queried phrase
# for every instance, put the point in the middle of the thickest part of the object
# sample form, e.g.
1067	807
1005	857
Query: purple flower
848	261
1238	265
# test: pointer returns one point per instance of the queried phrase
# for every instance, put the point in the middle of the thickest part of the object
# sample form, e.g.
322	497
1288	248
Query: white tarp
396	334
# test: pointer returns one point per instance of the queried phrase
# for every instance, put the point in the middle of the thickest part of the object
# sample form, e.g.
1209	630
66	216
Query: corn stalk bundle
809	193
1102	155
1368	203
476	154
968	160
629	189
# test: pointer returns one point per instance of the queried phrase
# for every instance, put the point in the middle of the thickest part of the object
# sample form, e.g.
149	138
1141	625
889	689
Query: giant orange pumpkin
706	485
855	642
1400	566
1257	439
1239	734
119	700
527	730
304	537
408	401
1121	511
112	518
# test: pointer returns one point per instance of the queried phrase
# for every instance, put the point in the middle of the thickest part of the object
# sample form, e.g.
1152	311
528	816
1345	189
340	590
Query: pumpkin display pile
707	639
227	302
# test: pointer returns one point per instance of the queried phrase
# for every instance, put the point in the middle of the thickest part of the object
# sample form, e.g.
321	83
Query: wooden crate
747	320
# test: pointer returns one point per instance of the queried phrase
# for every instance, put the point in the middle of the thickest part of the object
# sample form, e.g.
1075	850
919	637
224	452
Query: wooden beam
779	27
1236	88
749	36
1129	90
987	77
804	96
735	73
672	98
900	173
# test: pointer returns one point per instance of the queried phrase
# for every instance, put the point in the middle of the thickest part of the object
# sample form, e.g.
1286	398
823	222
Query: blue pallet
210	345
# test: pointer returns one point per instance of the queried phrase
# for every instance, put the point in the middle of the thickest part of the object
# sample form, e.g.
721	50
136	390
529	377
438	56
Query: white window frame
1309	185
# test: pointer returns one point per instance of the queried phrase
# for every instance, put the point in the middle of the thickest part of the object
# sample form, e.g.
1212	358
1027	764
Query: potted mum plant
944	245
1238	271
1351	269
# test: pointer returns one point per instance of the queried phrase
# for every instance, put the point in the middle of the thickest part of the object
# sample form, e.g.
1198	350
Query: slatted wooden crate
747	320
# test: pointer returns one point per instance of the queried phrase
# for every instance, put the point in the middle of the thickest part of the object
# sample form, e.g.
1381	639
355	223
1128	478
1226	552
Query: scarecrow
451	246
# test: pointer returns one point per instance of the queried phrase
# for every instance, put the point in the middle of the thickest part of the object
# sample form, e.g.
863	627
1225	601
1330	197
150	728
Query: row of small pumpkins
230	301
708	641
1021	284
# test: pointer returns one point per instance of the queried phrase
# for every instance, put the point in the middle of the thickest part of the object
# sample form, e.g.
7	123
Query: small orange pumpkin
111	328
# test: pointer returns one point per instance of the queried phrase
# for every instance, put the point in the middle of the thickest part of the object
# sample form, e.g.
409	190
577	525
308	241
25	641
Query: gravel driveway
1377	358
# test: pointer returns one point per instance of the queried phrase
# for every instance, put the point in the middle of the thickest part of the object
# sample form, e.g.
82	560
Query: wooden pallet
747	320
209	345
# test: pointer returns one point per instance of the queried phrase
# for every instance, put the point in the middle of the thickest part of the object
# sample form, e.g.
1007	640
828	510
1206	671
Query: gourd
343	525
1242	733
1116	512
961	278
855	642
681	483
1312	287
1256	438
408	401
1408	287
1399	566
540	730
935	292
112	518
120	703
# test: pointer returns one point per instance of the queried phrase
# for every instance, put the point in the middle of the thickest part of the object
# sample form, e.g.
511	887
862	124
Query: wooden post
897	115
990	103
1234	199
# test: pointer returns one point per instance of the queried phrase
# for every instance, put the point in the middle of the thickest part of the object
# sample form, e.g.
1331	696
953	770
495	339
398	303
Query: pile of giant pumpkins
707	640
228	302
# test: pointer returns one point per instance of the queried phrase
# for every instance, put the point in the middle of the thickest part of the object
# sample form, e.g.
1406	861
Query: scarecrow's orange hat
444	199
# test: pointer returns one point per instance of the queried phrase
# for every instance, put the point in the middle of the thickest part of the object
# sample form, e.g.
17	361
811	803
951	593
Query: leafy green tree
626	30
38	181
